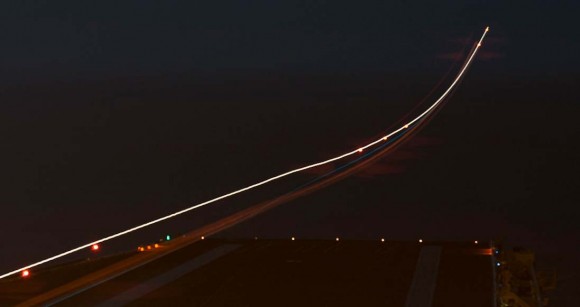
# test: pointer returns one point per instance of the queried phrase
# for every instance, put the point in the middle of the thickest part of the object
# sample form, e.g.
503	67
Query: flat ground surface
289	273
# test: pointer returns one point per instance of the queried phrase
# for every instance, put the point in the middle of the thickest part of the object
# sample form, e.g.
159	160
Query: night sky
113	114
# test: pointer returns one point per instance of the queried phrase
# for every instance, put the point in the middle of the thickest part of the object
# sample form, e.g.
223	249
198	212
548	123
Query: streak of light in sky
263	182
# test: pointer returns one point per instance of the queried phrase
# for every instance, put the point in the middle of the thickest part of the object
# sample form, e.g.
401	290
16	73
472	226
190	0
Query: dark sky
116	113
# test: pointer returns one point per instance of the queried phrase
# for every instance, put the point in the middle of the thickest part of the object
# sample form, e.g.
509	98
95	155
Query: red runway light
25	273
95	247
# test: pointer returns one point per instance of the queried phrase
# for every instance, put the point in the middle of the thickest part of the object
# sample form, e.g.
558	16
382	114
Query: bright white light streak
358	150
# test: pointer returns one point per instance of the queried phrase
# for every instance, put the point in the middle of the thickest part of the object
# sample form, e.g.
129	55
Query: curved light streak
350	153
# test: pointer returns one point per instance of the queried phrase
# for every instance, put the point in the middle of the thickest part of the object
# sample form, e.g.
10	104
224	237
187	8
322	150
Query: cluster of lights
153	246
359	150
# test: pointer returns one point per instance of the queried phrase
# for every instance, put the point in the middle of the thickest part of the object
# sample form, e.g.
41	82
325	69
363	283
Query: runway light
337	239
406	126
141	248
360	150
382	239
475	242
486	29
148	247
478	44
95	247
420	240
498	264
25	273
202	237
293	238
167	237
385	138
156	245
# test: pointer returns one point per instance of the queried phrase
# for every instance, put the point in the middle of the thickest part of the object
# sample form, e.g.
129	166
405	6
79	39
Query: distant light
25	273
337	239
202	237
420	240
475	242
167	237
498	264
95	247
385	138
255	238
406	126
148	246
360	150
382	239
497	251
478	44
156	245
486	29
140	248
293	238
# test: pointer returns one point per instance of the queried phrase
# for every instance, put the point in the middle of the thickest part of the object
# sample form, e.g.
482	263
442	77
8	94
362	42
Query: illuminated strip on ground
354	152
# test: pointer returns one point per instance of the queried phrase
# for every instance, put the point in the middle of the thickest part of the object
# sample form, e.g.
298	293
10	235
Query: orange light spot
486	29
148	246
140	248
156	245
360	150
95	247
406	126
385	138
483	251
25	273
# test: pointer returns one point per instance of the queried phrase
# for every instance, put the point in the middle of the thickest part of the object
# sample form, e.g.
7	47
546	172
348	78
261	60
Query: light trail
263	182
